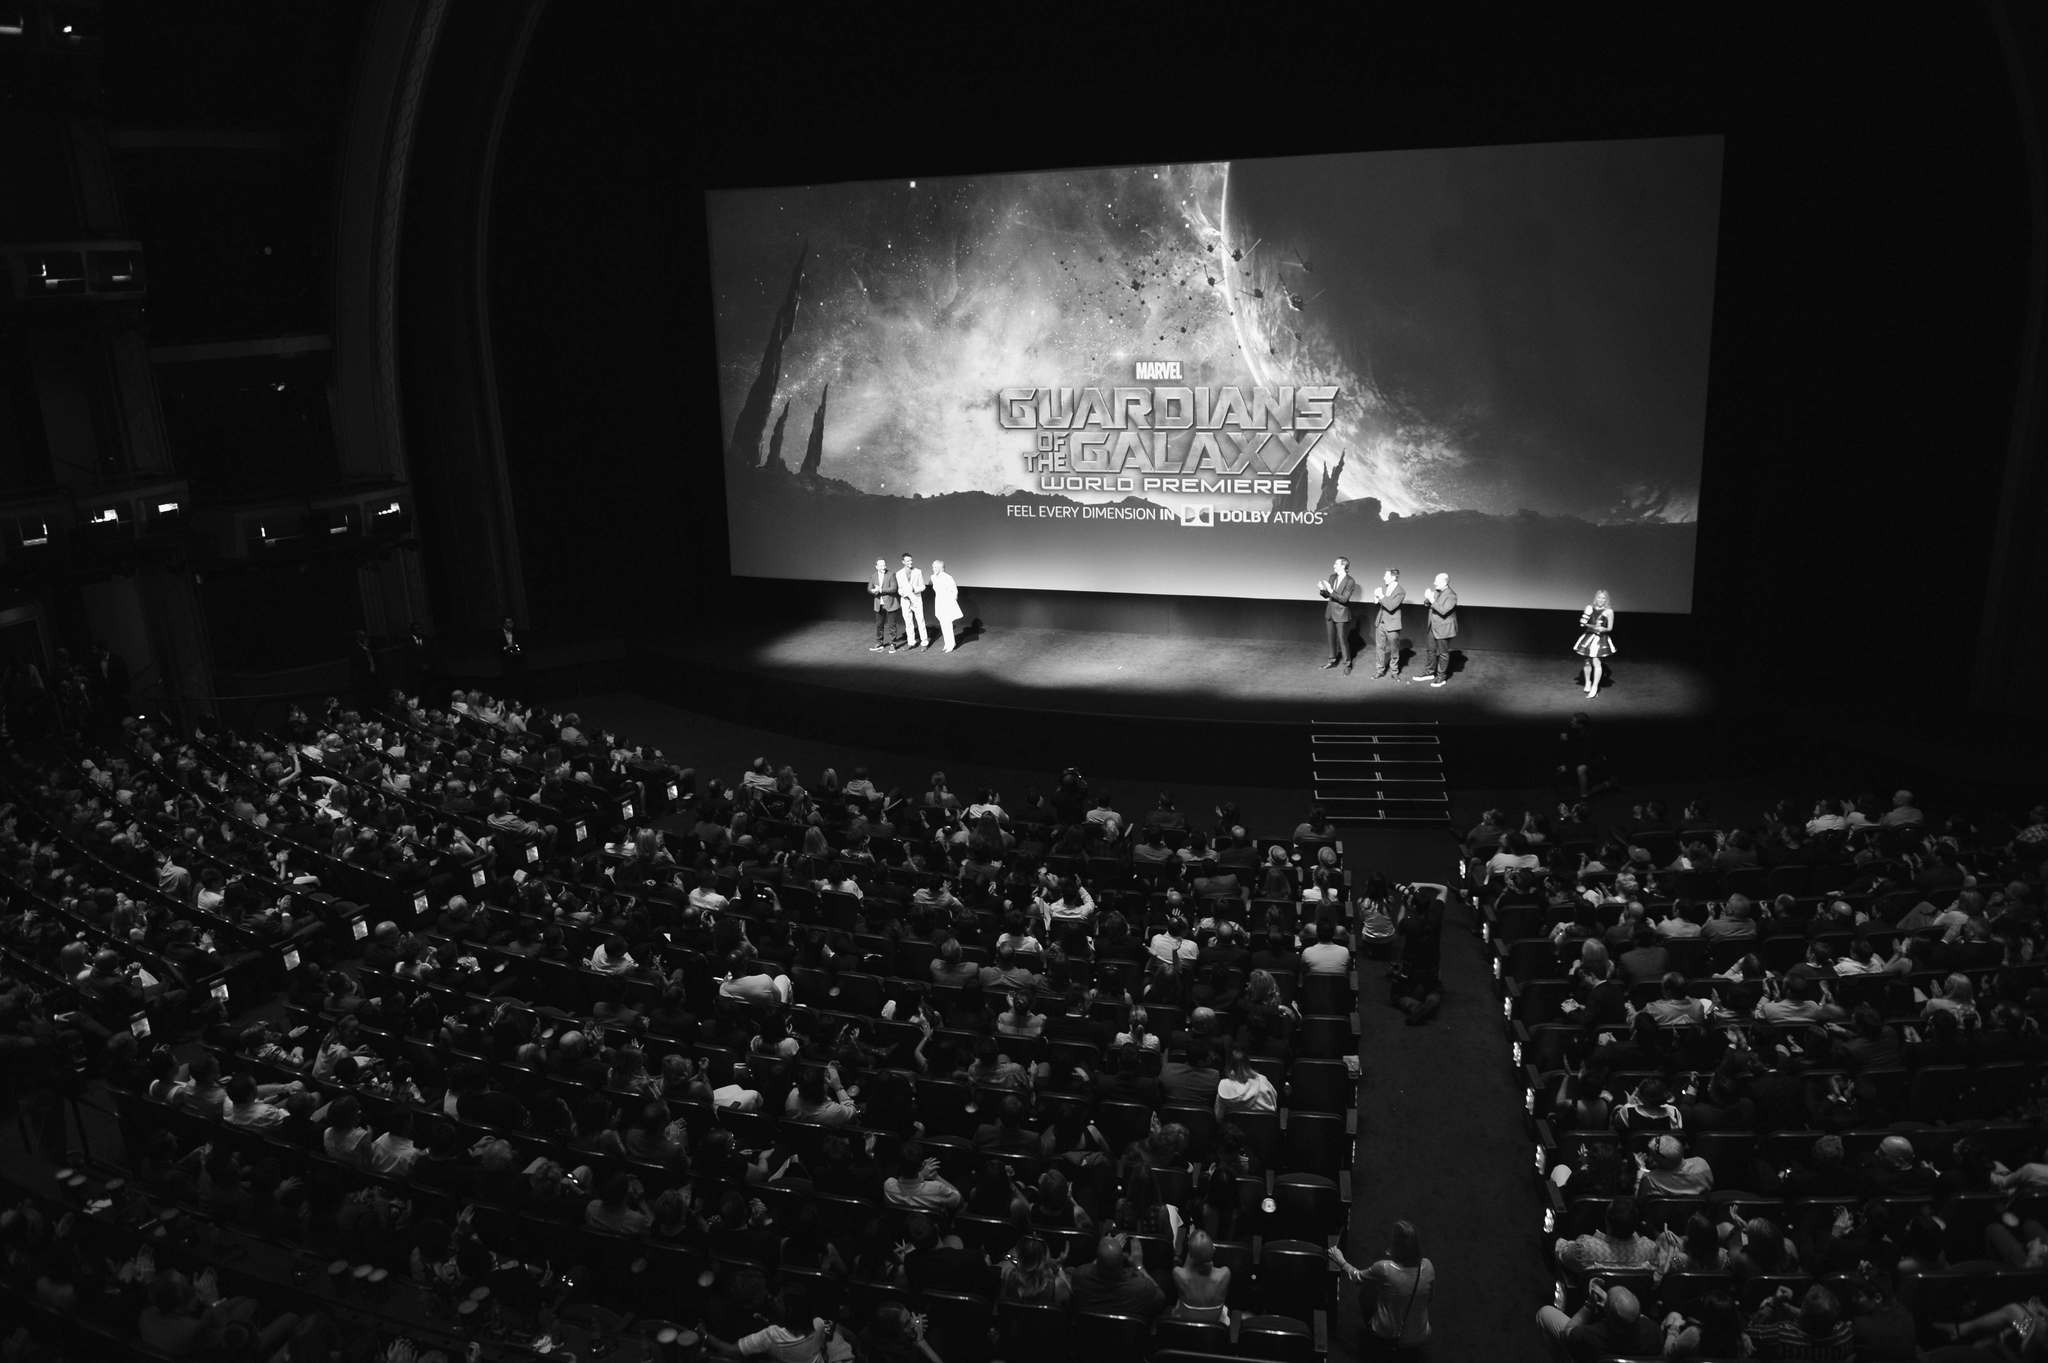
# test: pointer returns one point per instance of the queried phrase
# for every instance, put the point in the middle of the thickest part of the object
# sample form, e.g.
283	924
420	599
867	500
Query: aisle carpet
1442	1138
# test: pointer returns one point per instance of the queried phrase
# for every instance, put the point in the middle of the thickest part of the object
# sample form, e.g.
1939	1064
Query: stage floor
1140	676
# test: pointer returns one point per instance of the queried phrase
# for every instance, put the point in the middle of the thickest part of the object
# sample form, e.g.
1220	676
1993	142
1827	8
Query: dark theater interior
977	684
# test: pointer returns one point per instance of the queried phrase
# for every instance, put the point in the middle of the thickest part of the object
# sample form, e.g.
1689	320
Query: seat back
1326	1036
1283	1338
1305	1207
1295	1279
1321	1086
1199	1336
1327	994
1316	1143
1032	1331
958	1325
1098	1337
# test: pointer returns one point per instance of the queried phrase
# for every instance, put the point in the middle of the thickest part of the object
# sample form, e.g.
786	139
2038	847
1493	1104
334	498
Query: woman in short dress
1596	640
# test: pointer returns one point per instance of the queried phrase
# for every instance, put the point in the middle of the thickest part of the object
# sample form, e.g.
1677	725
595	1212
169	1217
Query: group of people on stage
898	601
899	604
1340	590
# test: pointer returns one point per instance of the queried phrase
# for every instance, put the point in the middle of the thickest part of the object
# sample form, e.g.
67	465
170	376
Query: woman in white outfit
945	600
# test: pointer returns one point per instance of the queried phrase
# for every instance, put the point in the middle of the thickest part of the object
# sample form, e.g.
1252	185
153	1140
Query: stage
1178	704
1140	676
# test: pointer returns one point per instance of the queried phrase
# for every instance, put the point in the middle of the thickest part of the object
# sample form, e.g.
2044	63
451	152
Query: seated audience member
1201	1287
1033	1276
1116	1283
1610	1323
1813	1329
1618	1244
918	1185
1669	1172
1244	1089
1676	1007
1733	919
1195	1081
1326	955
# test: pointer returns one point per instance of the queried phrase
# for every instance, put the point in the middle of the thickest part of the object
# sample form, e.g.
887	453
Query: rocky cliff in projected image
1212	378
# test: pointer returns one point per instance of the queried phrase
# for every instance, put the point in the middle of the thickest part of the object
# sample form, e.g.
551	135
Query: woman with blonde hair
1596	640
1202	1286
1244	1089
1033	1276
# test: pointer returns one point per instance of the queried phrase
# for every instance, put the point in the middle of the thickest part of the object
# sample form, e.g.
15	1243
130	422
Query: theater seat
959	1325
1282	1338
1321	1086
1326	1036
1305	1207
1199	1336
1295	1279
1317	1143
1029	1331
1330	994
1098	1337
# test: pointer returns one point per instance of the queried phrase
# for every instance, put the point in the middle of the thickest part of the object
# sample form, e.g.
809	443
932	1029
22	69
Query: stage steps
1376	771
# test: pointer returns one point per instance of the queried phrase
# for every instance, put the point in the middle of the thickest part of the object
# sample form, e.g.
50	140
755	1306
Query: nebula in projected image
1517	338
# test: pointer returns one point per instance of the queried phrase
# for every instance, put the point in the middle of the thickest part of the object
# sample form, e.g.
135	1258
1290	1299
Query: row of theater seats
1282	1288
1992	1100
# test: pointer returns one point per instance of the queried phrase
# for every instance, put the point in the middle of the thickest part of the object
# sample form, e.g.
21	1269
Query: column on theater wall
180	649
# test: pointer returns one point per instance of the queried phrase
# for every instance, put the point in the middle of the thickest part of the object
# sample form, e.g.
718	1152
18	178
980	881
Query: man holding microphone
1442	600
1386	634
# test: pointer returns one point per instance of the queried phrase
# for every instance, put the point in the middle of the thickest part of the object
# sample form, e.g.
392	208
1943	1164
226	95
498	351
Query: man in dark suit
110	681
888	624
363	670
1337	590
419	661
1442	599
1386	632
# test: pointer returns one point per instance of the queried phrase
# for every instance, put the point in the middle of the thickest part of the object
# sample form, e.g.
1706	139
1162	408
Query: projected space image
1214	377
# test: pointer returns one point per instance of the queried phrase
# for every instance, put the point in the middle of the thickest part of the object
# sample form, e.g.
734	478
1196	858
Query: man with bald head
1610	1323
1442	600
1903	813
1116	1282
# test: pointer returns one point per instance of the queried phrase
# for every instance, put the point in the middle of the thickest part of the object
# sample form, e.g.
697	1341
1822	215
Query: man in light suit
910	587
1337	590
1442	600
1386	633
945	600
882	588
